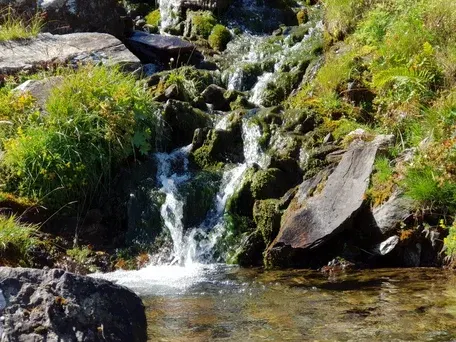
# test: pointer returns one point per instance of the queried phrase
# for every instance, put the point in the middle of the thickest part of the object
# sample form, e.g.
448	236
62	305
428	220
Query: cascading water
192	249
169	13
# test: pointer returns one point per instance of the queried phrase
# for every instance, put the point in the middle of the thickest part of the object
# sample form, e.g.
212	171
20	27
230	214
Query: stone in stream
391	213
46	49
312	221
65	16
170	51
54	305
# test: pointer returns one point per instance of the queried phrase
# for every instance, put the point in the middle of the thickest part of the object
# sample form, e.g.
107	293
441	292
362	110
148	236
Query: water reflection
255	305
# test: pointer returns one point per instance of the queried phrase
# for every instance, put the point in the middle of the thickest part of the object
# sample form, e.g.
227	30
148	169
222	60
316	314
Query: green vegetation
16	241
153	19
14	27
202	23
219	37
93	122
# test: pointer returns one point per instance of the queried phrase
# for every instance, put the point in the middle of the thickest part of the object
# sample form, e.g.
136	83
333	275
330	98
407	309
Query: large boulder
65	16
312	220
46	49
54	305
170	51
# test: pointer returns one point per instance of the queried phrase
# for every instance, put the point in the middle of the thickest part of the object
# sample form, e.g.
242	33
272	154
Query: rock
387	246
267	216
219	146
182	121
54	305
168	50
310	222
270	183
391	213
40	89
65	16
250	252
215	96
46	49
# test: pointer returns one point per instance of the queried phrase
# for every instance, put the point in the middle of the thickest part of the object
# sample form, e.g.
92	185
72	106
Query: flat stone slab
155	48
69	48
309	222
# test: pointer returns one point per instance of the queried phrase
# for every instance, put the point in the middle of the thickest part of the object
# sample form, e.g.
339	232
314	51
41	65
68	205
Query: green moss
219	37
199	194
202	23
267	218
154	19
268	183
302	16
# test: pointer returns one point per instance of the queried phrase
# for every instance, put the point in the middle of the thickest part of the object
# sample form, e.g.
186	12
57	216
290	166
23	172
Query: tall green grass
94	121
13	27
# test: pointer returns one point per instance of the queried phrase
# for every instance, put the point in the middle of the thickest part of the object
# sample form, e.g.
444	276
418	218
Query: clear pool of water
221	303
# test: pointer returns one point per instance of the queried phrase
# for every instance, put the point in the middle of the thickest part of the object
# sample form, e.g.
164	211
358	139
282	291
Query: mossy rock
220	146
302	16
241	202
199	24
300	120
182	120
267	215
219	37
270	183
145	223
199	195
250	252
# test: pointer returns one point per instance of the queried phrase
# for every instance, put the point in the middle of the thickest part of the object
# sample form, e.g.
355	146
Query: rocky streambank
232	134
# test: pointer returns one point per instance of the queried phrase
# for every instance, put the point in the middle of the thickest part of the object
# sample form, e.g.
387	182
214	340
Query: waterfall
169	13
172	170
197	244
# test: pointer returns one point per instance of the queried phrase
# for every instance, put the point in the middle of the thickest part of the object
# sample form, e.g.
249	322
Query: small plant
17	239
14	27
154	19
80	254
219	37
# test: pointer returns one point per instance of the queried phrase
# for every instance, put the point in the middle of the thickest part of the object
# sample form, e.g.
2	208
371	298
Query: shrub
13	27
94	121
219	37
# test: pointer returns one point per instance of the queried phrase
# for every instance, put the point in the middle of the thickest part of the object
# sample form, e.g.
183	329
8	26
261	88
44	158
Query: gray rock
394	211
46	49
40	89
54	305
312	221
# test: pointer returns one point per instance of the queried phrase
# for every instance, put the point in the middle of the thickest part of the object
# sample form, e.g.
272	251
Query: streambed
221	303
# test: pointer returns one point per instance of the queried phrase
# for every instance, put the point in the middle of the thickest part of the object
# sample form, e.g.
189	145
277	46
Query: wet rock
182	121
76	47
215	96
250	252
220	146
310	222
54	305
266	215
387	246
389	215
168	50
206	4
65	16
270	183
